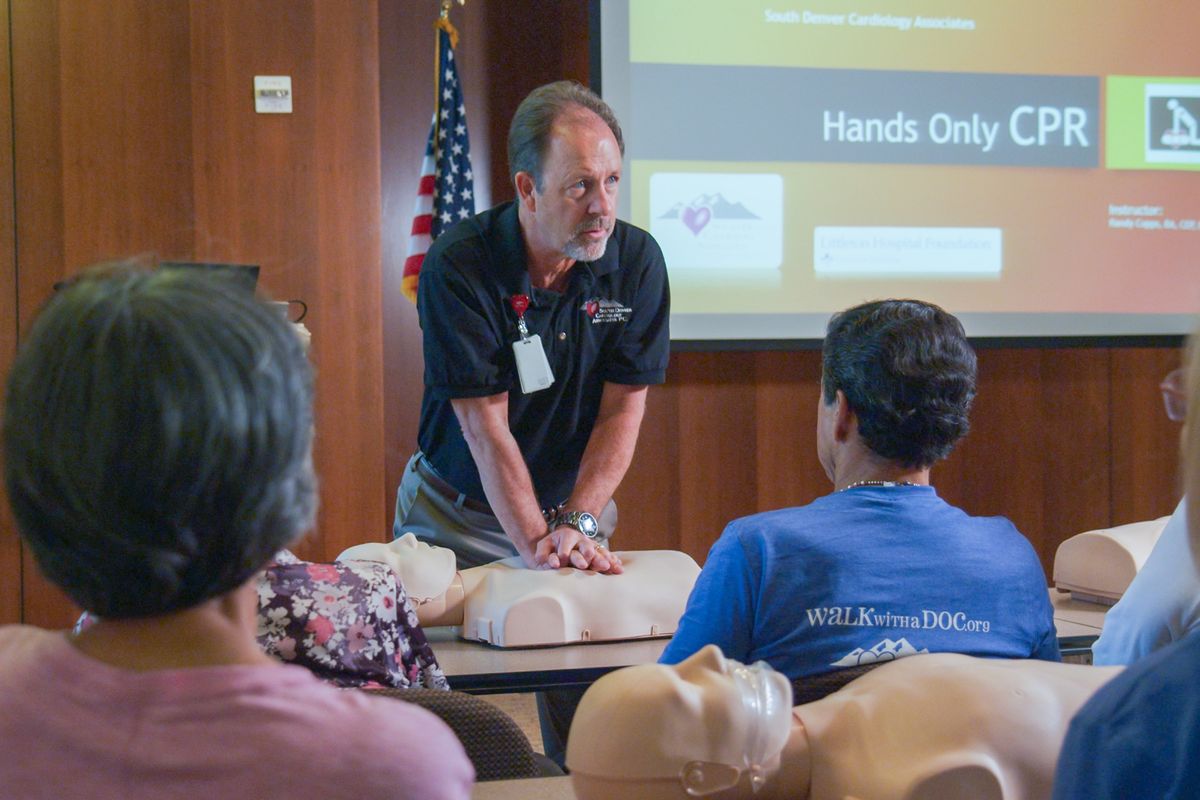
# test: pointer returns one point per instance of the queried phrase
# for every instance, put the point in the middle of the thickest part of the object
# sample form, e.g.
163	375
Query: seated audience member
1162	604
1140	735
711	727
157	451
882	567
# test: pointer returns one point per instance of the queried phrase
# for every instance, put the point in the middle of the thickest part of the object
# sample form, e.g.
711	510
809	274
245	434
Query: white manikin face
708	724
425	571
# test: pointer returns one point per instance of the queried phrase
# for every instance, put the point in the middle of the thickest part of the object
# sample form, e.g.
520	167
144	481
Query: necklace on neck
857	484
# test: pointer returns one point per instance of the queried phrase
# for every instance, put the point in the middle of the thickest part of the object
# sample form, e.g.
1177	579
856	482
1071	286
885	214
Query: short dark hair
529	133
908	374
158	439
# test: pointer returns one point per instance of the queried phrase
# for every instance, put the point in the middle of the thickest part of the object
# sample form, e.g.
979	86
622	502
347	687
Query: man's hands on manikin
566	547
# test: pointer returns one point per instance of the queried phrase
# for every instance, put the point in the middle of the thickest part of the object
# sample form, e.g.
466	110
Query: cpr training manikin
507	605
939	726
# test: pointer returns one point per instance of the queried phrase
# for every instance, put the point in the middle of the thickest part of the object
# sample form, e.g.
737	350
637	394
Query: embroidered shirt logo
600	310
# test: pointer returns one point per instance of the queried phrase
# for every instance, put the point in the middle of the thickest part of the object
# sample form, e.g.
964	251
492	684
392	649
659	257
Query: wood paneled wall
135	133
10	548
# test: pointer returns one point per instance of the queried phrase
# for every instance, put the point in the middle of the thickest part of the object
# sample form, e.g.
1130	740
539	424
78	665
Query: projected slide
1034	167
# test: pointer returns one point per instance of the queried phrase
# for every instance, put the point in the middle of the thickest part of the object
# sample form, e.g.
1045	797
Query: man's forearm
502	471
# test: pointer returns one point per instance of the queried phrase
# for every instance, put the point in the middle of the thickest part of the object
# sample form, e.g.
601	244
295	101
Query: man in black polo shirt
520	452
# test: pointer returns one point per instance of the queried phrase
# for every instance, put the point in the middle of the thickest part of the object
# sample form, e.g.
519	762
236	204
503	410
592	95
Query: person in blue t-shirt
882	567
1139	736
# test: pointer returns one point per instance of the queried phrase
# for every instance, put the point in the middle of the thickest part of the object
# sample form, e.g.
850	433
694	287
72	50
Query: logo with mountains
703	209
887	650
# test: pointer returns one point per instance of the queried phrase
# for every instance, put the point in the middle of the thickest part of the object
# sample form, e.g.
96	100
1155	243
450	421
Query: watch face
581	521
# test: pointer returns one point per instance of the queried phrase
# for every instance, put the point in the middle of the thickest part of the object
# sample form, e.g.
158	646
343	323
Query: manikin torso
507	605
945	726
940	726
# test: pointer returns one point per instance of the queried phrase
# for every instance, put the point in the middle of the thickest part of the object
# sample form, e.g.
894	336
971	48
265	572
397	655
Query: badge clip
533	368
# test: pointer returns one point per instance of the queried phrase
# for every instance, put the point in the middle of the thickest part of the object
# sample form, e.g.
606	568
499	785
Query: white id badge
532	367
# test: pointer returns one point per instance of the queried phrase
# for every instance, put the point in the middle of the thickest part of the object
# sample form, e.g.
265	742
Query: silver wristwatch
581	521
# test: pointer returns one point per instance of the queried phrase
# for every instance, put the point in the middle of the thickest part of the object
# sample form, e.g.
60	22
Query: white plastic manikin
507	605
930	727
1098	566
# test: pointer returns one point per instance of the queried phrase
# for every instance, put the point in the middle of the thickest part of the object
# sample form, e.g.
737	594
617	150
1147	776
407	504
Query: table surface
483	669
1076	617
525	789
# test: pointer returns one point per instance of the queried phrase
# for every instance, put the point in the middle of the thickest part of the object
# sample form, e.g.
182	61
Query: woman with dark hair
157	448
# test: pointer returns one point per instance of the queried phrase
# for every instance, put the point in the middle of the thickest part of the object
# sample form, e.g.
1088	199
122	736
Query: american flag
446	193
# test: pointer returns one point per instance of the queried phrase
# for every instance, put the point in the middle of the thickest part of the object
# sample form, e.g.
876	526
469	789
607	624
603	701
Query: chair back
495	744
814	687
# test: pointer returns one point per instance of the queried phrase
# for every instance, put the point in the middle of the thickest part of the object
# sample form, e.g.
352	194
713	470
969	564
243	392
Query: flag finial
446	7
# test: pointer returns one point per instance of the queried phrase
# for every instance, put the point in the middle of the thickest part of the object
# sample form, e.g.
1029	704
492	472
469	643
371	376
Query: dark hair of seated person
908	374
157	439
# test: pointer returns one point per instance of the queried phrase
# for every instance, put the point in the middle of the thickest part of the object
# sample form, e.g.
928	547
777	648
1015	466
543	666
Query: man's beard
587	251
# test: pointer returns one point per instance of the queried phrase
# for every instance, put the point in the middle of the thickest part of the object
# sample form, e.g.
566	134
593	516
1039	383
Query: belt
448	492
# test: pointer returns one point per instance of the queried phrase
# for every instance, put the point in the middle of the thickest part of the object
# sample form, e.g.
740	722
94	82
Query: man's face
575	208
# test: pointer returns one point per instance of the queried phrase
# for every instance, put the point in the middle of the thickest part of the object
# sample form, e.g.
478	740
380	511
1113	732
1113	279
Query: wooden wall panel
103	168
349	353
718	472
125	130
136	133
648	500
37	152
10	546
1076	486
1038	445
1144	458
787	390
299	194
38	213
530	42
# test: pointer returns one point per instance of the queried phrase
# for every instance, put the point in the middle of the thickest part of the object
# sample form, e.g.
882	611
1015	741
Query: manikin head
426	572
904	370
564	153
706	727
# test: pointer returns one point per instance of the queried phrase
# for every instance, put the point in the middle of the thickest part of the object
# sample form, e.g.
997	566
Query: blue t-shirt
863	575
1139	736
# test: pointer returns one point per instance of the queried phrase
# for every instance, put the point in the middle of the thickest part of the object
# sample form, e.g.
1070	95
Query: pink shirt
71	726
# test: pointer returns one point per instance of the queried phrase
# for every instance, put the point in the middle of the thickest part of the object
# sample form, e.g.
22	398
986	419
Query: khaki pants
438	514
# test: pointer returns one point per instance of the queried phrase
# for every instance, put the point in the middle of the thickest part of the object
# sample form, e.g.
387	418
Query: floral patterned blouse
349	622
